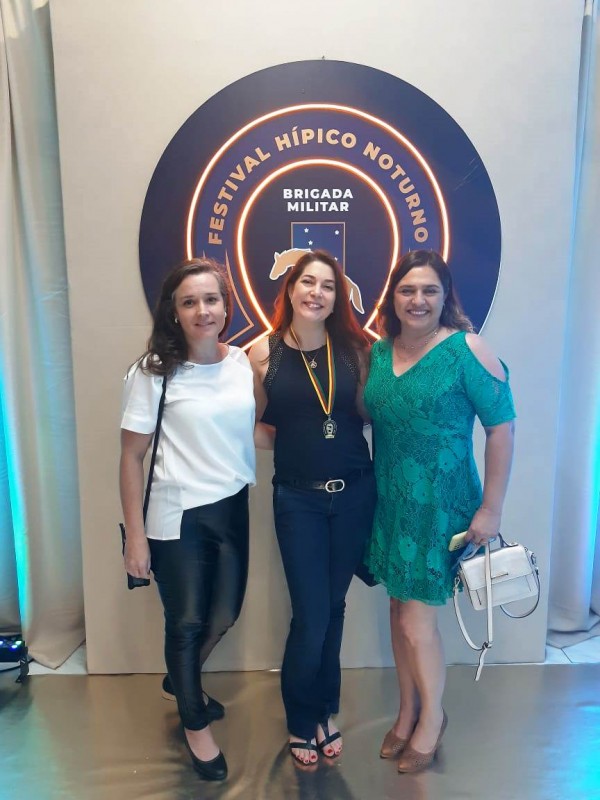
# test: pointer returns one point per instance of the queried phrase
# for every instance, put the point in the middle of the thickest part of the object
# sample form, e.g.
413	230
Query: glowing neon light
311	162
323	107
250	324
256	339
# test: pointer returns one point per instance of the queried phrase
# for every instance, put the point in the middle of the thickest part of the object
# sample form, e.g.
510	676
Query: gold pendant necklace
312	360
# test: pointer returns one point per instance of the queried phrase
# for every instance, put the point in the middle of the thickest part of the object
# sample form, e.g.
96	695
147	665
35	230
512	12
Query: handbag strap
161	407
489	609
536	576
486	645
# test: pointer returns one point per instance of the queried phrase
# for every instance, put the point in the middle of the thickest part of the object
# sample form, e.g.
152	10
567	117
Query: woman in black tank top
309	375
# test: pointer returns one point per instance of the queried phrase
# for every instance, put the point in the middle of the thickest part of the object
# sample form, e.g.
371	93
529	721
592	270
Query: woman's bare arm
131	484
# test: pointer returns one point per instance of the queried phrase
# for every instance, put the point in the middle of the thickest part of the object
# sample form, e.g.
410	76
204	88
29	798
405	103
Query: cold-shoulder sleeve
490	396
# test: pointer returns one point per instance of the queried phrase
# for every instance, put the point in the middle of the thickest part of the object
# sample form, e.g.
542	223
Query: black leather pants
201	578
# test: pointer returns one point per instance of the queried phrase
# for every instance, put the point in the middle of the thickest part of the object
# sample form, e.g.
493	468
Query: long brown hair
341	324
452	315
167	347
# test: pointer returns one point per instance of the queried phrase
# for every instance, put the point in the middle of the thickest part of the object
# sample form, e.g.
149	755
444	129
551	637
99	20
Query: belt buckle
335	485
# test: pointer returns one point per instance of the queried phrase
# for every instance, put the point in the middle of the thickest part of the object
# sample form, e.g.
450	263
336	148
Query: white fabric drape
35	354
574	607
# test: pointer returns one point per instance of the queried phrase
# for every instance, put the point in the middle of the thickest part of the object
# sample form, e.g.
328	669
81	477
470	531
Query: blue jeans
322	539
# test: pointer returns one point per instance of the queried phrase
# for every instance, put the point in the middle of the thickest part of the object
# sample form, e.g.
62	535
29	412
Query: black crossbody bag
132	581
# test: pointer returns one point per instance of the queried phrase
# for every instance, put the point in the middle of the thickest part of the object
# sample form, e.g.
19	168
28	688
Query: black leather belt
332	485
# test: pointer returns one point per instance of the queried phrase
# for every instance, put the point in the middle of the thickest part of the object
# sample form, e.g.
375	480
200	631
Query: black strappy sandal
329	738
307	745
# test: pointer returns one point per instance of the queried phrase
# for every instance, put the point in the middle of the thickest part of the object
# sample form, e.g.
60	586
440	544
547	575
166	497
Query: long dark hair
341	324
167	347
452	315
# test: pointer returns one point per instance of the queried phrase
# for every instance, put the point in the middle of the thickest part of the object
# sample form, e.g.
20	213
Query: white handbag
495	578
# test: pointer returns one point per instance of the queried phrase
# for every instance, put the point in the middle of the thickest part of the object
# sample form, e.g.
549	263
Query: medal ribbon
325	405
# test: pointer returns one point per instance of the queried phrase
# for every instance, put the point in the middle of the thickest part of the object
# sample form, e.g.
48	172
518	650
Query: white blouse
205	447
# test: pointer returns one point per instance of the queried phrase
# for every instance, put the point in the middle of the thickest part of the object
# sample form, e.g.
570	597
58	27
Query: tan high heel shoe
392	745
412	760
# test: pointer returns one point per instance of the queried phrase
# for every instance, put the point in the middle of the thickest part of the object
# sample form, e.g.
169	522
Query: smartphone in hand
457	541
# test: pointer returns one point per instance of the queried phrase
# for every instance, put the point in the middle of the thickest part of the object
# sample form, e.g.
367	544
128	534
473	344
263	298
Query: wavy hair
452	315
167	347
341	324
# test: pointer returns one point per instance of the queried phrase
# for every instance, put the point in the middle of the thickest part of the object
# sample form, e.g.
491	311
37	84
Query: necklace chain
310	356
424	343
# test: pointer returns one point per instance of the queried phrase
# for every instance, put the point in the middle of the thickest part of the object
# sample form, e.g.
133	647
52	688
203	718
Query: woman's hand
484	526
264	436
137	556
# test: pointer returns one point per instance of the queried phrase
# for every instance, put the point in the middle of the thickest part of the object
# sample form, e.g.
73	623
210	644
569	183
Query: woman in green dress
430	376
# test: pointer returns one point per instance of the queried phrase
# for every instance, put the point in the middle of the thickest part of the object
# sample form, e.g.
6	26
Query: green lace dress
427	482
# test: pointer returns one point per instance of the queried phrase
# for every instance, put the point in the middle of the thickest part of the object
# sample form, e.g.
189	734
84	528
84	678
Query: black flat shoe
213	770
214	709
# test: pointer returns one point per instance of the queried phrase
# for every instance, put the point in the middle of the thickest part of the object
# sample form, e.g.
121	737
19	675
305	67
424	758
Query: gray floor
522	732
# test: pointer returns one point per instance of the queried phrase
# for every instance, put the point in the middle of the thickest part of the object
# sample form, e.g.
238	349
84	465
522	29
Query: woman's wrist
135	534
489	510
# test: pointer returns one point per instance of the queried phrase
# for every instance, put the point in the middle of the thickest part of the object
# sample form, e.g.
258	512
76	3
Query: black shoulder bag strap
161	408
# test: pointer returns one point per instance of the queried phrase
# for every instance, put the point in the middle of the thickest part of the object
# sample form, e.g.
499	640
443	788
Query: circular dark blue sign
321	155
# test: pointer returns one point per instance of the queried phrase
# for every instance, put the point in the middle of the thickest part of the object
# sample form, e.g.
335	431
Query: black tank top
301	450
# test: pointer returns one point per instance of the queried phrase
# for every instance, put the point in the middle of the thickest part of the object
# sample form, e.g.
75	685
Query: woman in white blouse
195	538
